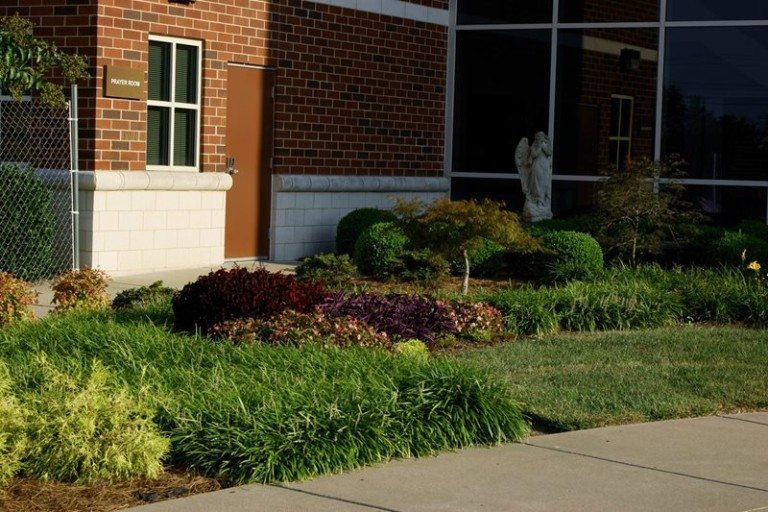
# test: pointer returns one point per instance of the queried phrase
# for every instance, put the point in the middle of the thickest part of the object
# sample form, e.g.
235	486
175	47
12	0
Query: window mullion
172	105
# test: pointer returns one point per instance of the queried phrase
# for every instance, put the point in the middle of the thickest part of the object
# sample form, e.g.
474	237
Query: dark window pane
589	74
501	95
474	12
613	153
157	135
728	205
693	10
572	197
626	118
186	74
184	132
623	153
509	191
716	101
584	11
159	71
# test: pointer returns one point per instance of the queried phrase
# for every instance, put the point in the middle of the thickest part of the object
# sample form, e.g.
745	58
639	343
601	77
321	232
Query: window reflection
501	95
716	101
585	11
700	10
606	98
728	205
480	12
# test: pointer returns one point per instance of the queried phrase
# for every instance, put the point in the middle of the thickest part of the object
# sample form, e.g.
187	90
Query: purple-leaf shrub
400	316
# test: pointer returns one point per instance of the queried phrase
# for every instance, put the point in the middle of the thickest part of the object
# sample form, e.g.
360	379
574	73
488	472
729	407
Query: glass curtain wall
612	81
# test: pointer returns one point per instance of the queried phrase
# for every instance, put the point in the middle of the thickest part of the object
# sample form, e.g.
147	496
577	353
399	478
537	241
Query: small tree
457	229
633	217
26	63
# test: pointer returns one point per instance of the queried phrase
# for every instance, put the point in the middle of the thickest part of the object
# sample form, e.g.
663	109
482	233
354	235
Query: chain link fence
36	203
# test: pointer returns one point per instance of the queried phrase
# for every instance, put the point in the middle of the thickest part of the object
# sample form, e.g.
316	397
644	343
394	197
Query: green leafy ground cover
591	380
254	413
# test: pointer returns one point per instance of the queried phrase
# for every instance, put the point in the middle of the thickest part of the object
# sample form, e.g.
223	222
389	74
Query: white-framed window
622	110
173	104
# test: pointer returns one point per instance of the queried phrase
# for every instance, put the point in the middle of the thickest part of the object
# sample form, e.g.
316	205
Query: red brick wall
357	93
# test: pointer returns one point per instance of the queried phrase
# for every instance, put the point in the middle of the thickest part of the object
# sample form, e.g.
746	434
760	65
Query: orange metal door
249	148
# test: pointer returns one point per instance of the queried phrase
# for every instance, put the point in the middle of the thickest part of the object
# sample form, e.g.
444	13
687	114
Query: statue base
535	213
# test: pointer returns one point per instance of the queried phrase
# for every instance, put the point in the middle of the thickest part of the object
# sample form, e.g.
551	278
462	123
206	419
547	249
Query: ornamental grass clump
89	429
402	317
85	288
240	293
16	297
13	438
143	296
334	271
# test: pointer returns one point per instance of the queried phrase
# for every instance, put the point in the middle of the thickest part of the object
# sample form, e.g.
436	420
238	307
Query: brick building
255	125
315	108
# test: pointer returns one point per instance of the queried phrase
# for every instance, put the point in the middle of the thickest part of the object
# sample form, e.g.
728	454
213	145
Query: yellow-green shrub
12	437
87	429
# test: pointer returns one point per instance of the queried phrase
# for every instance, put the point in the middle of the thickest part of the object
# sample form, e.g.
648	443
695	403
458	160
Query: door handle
231	166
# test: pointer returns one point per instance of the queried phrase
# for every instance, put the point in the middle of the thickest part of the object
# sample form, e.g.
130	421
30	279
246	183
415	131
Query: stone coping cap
314	183
154	180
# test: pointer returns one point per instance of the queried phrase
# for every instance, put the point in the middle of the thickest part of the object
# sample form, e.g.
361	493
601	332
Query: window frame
617	137
172	105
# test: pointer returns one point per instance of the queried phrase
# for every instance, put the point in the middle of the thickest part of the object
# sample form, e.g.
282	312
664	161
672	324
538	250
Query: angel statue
534	163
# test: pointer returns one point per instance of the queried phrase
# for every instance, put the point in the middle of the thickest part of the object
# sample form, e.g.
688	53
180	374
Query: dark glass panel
501	95
480	12
729	205
716	101
159	71
184	132
157	135
186	74
507	191
589	74
572	197
596	11
704	10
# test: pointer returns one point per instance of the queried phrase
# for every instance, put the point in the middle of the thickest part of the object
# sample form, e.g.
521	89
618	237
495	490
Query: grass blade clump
13	440
88	429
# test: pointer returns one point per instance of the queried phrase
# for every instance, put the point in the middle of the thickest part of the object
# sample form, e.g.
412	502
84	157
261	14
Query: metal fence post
74	136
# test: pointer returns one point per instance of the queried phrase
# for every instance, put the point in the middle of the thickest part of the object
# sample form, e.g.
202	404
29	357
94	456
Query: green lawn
590	380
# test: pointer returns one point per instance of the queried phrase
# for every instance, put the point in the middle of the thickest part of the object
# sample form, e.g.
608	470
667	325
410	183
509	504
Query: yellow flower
754	266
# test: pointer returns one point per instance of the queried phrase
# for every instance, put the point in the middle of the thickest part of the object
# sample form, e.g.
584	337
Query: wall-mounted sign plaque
124	83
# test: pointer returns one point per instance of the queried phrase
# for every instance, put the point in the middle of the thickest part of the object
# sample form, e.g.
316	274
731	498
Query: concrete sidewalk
702	465
173	278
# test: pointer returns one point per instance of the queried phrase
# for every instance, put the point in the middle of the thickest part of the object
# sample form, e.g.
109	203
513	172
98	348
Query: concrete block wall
306	209
145	222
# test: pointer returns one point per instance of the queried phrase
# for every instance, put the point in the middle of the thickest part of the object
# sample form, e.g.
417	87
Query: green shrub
26	225
16	297
380	249
487	260
84	288
143	295
585	223
353	224
13	439
754	227
424	267
90	429
335	271
729	248
256	413
571	256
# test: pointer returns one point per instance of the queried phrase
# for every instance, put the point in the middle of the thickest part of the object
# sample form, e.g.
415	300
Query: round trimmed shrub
353	224
334	270
380	249
570	255
486	261
728	248
26	225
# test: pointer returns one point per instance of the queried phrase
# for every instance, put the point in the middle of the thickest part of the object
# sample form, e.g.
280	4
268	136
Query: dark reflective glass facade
715	10
481	12
596	11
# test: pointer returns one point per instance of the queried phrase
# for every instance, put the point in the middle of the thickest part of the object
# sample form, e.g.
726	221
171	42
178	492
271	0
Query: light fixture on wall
630	60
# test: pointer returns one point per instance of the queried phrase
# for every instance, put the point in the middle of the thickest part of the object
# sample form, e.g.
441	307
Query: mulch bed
27	495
